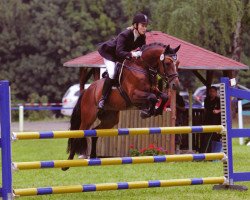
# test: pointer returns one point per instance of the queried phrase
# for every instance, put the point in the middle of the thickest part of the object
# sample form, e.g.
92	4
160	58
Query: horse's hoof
83	157
158	112
145	114
65	168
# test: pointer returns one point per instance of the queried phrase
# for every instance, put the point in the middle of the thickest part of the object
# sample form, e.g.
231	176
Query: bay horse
137	83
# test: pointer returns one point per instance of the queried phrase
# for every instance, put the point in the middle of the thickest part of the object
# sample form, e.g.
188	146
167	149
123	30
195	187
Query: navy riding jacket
119	48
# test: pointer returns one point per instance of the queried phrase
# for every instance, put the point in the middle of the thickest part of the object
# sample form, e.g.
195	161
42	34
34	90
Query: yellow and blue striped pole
117	132
118	186
117	161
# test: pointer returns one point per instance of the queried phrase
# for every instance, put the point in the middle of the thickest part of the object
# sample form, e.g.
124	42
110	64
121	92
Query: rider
120	48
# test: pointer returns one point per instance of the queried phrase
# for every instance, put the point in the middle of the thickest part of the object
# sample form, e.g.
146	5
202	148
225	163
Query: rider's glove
136	54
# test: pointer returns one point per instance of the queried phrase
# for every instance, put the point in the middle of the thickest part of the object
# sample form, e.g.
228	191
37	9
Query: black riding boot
105	92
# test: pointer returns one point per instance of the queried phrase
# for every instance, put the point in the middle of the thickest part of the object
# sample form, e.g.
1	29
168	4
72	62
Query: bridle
153	70
172	58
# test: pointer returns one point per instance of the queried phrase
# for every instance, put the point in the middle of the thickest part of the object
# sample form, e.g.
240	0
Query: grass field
35	150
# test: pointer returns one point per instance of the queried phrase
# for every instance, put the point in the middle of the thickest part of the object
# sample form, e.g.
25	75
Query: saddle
116	83
118	71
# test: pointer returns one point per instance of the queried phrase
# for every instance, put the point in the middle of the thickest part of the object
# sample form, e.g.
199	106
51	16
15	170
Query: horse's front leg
145	100
164	99
152	99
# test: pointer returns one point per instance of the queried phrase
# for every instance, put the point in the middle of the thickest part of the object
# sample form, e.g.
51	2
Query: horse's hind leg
93	147
80	145
112	118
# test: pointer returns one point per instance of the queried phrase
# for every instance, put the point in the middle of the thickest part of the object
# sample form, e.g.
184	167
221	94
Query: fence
227	181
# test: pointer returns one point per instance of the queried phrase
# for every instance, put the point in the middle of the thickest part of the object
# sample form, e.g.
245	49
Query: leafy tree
201	22
37	37
245	42
216	25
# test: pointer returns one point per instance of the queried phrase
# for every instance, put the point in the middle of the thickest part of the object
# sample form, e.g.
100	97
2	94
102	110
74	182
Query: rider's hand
216	111
136	54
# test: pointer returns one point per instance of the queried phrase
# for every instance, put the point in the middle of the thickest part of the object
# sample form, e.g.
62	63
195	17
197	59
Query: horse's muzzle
175	84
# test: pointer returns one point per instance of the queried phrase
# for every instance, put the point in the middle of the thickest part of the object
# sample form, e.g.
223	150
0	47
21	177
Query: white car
200	92
70	98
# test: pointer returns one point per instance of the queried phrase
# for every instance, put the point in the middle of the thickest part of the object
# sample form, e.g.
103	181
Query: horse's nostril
175	86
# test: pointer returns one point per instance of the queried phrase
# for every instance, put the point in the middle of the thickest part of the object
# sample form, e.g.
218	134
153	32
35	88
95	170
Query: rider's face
142	28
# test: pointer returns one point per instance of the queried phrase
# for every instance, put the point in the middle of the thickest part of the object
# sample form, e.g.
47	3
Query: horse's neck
138	74
137	64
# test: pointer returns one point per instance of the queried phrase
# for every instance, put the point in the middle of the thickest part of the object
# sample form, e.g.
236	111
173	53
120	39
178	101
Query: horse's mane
146	46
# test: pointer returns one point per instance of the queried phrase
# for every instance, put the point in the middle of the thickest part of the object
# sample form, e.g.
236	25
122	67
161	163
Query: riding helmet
140	18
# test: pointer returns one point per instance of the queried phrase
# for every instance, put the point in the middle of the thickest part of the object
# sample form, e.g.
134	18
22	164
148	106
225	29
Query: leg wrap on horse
164	99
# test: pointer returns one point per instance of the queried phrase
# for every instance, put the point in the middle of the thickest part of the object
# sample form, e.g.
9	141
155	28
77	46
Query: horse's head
163	59
169	66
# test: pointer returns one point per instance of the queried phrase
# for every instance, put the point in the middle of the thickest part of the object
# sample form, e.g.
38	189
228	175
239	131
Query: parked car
200	92
246	108
185	96
70	98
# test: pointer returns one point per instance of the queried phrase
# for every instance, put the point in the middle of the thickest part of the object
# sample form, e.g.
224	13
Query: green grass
35	150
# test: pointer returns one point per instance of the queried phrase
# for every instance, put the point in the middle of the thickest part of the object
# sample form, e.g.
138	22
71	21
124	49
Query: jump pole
117	186
117	161
116	132
227	134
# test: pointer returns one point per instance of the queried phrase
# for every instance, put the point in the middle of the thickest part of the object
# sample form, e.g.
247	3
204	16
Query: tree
245	44
220	26
200	22
37	37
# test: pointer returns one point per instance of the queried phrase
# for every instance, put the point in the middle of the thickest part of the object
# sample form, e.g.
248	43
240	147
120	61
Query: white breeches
110	65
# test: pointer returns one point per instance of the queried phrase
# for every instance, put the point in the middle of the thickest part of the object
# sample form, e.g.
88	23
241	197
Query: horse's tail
77	145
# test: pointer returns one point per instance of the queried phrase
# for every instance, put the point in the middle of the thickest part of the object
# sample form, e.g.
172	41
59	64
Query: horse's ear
167	49
177	48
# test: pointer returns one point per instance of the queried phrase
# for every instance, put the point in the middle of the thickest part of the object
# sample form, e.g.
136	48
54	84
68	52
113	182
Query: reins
151	71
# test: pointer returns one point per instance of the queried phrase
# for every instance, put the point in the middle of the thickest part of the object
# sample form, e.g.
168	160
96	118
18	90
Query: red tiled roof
190	56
